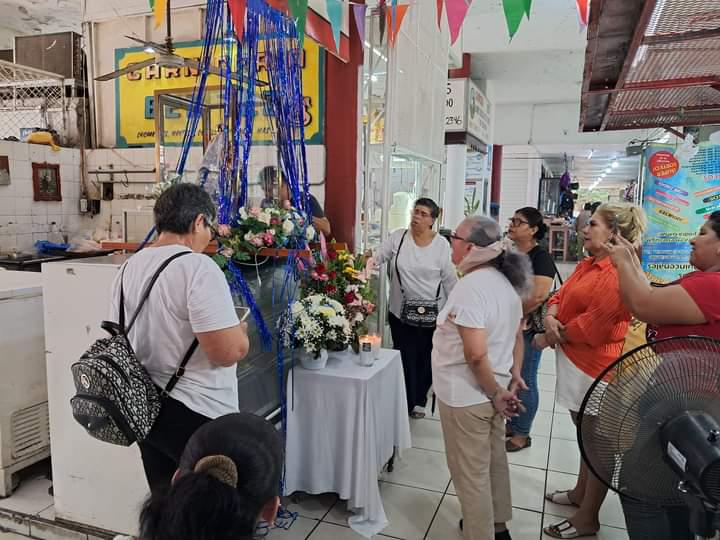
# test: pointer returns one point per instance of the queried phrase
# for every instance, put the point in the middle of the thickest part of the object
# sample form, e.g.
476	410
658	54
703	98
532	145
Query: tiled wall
24	221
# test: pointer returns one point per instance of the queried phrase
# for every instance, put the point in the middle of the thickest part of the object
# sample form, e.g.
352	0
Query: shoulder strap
180	370
397	255
146	293
557	272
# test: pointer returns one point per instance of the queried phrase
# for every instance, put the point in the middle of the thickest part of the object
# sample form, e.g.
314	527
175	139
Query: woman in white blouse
420	268
476	362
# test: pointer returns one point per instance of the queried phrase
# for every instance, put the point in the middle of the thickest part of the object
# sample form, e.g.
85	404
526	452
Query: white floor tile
563	427
421	469
547	401
546	382
311	506
328	531
525	525
611	513
557	481
605	532
564	456
48	513
408	510
527	487
427	435
11	536
298	531
542	424
535	456
547	362
31	497
445	525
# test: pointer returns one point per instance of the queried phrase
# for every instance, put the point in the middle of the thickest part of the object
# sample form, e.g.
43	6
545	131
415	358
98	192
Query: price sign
456	105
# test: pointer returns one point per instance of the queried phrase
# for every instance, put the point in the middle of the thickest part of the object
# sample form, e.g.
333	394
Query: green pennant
528	7
298	10
152	5
515	10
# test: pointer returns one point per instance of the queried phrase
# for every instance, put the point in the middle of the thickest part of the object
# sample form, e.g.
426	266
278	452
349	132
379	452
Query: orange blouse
594	316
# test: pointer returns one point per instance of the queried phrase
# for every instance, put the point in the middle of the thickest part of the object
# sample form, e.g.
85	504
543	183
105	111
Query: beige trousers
475	448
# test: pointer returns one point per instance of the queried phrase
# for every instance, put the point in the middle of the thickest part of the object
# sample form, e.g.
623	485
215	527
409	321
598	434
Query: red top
595	319
704	289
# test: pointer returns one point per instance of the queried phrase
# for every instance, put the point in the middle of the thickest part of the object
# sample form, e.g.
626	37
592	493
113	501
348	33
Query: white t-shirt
190	296
482	299
422	269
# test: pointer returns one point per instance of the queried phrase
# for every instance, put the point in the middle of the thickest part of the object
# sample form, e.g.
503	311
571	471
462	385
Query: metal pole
367	185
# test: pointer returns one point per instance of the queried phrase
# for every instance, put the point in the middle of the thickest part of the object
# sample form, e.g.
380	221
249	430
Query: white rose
265	217
310	233
249	237
297	308
288	226
243	214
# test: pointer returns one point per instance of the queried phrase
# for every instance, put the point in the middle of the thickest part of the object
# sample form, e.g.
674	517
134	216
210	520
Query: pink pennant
359	12
583	7
238	9
439	11
456	13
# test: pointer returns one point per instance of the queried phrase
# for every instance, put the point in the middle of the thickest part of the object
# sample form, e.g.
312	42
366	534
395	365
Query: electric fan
649	427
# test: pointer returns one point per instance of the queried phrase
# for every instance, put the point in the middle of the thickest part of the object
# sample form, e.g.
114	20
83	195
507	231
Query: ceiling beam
663	84
590	56
638	36
667	110
681	36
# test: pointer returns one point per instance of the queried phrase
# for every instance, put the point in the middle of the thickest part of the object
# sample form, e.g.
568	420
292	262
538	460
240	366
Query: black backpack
116	401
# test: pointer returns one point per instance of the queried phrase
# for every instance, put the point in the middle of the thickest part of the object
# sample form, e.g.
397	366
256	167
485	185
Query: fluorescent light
603	175
592	152
149	50
615	164
608	170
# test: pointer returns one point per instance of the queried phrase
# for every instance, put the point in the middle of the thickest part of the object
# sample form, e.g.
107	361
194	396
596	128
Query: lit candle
366	350
376	344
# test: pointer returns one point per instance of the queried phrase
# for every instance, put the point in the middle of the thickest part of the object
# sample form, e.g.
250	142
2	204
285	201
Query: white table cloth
343	423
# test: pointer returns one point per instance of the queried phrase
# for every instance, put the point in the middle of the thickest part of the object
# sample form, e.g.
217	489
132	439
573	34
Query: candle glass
366	351
376	345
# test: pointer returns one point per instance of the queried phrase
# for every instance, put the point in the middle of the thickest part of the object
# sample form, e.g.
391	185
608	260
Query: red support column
341	140
496	183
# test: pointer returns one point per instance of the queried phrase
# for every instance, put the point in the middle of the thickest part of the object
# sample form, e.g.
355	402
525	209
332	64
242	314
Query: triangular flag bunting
456	13
394	23
514	12
335	12
238	8
152	5
527	6
439	11
359	13
298	10
583	7
160	9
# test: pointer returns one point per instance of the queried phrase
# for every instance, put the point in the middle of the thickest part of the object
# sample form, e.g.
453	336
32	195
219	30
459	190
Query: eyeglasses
516	222
454	236
213	230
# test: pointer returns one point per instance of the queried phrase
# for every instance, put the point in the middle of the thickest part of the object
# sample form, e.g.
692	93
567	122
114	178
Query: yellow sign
135	93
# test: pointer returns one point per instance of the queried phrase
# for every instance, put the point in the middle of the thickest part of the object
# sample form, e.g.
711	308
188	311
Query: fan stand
704	516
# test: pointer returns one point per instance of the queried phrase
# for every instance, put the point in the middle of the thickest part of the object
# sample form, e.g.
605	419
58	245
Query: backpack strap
397	256
146	293
180	370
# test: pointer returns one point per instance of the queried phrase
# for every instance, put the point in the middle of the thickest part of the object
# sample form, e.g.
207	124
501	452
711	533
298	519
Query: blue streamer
239	286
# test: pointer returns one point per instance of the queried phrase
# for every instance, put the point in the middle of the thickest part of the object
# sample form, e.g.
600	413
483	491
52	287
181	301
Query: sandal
561	497
564	530
512	447
417	415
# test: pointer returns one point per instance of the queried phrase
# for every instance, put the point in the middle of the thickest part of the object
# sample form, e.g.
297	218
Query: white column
454	205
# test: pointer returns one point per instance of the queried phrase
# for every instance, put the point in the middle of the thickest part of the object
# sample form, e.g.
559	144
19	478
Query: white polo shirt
483	299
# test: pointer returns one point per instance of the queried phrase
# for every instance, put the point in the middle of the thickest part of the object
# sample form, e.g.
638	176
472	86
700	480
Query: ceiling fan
164	56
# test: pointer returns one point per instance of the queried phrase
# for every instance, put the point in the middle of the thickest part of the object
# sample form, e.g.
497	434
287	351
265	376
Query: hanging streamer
527	5
583	9
456	13
439	11
359	13
514	10
298	10
335	12
159	7
395	22
238	9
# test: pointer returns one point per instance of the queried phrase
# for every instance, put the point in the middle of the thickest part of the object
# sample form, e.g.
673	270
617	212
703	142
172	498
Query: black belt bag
417	311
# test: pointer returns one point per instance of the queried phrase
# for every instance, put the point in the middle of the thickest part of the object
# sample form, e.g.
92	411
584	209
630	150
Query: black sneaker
504	535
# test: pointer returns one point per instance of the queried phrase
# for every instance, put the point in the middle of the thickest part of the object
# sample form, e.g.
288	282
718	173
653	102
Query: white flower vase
308	360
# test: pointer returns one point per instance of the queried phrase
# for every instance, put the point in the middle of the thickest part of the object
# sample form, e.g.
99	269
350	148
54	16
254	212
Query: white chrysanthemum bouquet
317	322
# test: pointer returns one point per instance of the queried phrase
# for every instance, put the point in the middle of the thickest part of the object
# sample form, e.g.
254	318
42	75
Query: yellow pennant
160	12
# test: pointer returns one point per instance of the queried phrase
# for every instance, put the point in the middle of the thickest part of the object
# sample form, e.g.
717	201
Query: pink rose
257	241
224	230
301	221
274	221
370	308
254	211
269	238
227	253
324	277
314	275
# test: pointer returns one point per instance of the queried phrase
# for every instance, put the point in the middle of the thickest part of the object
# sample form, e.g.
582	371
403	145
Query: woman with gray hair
477	359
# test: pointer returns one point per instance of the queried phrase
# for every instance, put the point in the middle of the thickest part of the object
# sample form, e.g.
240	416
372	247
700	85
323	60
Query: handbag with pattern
536	319
417	311
116	401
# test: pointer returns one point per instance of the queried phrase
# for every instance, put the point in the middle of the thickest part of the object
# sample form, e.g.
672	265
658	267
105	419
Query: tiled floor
419	497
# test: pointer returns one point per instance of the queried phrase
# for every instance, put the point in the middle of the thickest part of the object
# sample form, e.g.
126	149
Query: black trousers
415	346
164	445
650	522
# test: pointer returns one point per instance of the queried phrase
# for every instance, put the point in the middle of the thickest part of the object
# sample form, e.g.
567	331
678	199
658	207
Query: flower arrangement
343	277
317	322
258	228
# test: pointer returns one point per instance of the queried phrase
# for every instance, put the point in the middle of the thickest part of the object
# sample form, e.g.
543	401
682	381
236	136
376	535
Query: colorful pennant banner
238	8
159	9
298	10
583	7
515	10
359	13
439	11
456	13
394	20
335	13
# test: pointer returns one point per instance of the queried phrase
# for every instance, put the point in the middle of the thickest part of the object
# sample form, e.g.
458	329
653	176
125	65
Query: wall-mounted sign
4	171
135	97
467	110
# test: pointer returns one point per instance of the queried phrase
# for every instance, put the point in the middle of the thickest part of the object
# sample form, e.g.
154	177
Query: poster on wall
682	188
135	103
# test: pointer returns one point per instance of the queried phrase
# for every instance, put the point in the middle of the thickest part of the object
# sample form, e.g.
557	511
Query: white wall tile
39	209
7	207
7	191
23	187
24	242
19	170
37	153
23	206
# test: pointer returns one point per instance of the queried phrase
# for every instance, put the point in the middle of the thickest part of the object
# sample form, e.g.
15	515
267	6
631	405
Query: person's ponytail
201	507
516	267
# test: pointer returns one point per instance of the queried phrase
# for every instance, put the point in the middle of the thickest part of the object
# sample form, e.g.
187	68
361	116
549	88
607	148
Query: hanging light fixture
615	164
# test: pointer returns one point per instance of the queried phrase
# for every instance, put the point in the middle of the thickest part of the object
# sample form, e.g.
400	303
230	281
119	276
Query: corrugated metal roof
668	73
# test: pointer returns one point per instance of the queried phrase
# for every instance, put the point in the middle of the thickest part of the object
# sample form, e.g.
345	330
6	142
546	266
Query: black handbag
417	311
536	320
